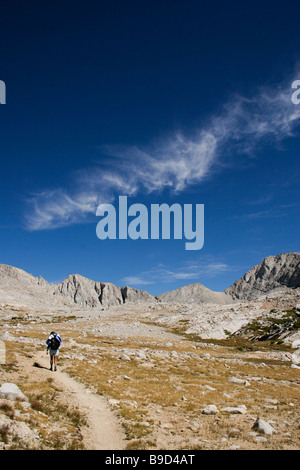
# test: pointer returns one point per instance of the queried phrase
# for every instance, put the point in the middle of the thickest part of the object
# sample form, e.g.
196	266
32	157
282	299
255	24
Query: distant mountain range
19	288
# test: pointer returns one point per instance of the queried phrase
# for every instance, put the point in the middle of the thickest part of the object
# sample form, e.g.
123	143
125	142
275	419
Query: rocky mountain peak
280	271
195	293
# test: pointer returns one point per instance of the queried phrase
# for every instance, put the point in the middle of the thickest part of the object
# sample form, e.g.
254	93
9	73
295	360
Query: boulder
263	426
238	381
296	357
12	392
210	410
240	410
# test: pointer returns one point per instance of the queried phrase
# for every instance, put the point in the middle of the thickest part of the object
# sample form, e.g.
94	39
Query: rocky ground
170	376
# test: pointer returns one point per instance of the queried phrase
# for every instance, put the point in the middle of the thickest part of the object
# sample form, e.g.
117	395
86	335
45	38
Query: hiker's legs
53	360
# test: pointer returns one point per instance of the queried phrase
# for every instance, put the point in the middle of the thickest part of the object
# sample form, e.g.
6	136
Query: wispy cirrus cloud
136	281
175	162
279	211
57	208
192	272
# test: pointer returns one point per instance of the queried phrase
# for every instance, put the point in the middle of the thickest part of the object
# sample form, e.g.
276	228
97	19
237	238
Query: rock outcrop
272	273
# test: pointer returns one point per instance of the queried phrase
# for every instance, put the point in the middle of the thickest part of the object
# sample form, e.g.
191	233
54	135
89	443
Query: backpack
55	341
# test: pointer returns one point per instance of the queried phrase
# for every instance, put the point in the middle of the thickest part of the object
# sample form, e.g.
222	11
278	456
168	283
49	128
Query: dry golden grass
160	399
176	391
55	422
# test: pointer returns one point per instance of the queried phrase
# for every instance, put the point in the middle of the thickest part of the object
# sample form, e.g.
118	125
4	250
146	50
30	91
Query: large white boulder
11	392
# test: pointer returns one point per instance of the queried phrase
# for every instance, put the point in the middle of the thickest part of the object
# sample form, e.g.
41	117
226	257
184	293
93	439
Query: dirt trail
103	432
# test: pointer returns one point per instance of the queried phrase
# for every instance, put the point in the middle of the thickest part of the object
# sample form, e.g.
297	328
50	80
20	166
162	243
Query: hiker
53	344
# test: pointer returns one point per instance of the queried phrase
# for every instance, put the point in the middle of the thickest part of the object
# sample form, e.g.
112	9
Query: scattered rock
296	357
141	355
263	426
295	344
261	439
208	387
234	432
167	426
6	336
113	401
295	367
238	381
12	392
124	357
210	410
194	426
241	409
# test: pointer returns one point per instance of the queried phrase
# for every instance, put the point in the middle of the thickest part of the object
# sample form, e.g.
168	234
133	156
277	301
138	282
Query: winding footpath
103	431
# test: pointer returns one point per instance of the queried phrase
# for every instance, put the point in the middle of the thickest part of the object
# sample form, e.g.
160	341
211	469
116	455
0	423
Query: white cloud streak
175	162
136	281
192	272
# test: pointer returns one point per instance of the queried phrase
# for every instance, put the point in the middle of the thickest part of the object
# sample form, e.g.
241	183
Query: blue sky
165	102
